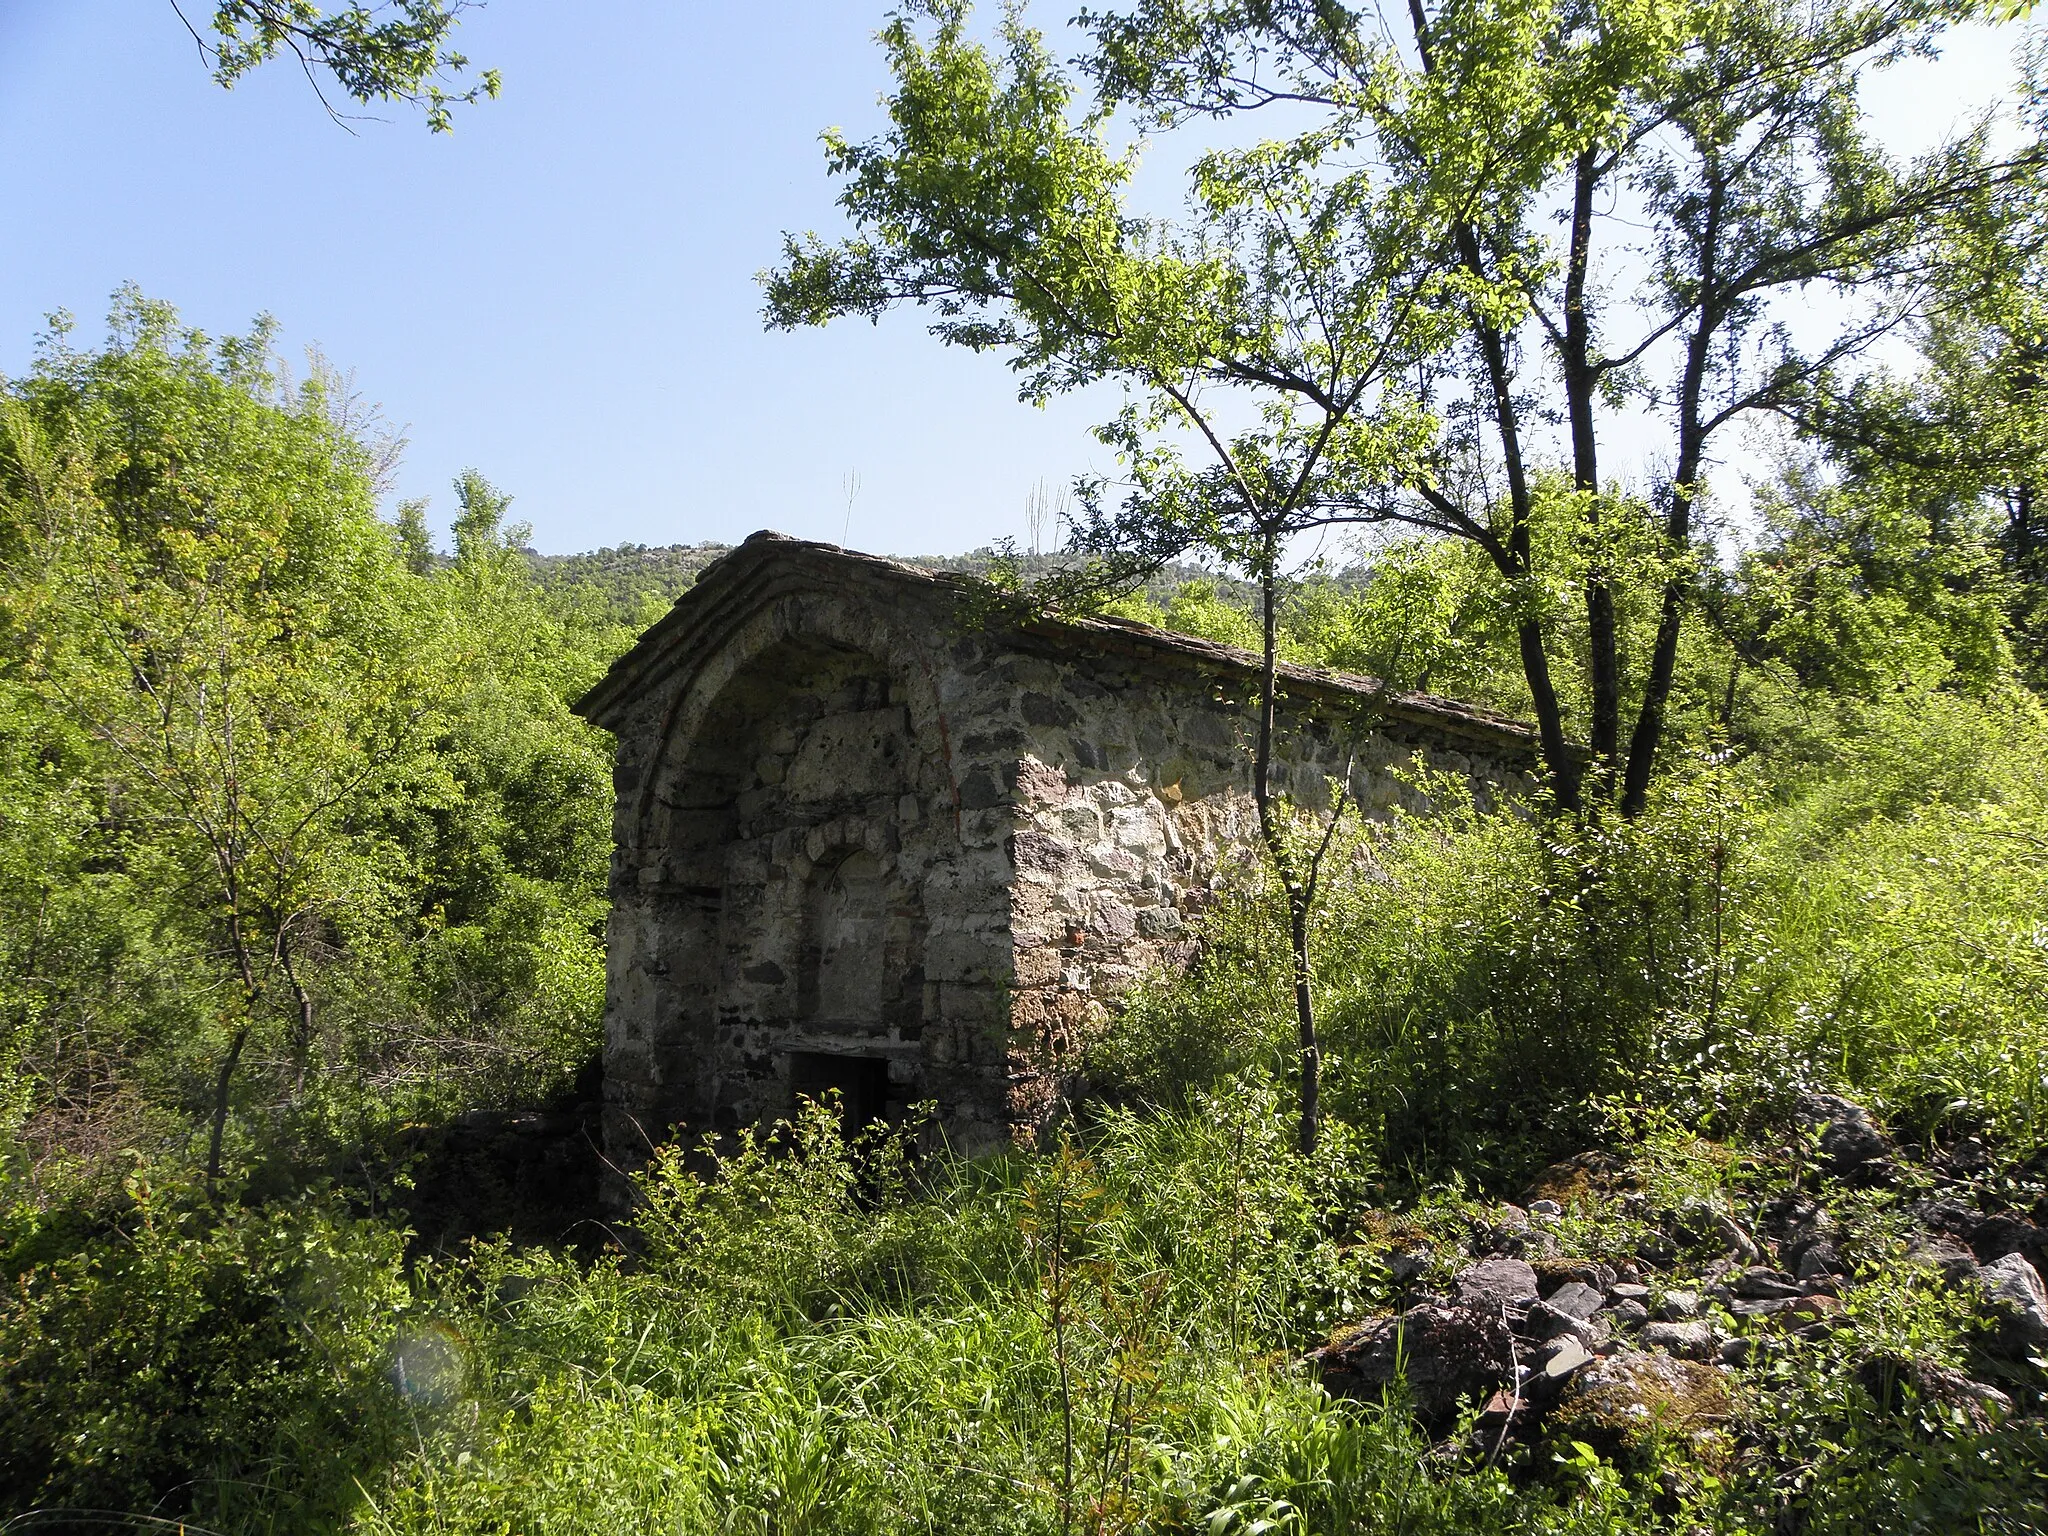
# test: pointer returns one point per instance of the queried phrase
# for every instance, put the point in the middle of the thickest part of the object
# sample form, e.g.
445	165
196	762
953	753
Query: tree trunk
1648	734
221	1085
1515	555
302	1035
1581	378
1283	864
252	990
1311	1128
1557	752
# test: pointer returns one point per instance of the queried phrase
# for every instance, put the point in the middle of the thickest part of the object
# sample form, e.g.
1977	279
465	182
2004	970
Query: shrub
223	1363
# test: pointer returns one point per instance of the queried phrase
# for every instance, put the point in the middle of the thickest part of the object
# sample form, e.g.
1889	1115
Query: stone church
876	835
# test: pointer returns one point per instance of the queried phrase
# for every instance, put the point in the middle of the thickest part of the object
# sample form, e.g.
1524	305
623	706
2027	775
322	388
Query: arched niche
861	973
775	836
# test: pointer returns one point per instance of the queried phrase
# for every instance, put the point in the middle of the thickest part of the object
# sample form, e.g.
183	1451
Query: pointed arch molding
702	661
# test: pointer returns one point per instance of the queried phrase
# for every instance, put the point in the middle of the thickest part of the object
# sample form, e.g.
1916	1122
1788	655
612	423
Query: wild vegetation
303	860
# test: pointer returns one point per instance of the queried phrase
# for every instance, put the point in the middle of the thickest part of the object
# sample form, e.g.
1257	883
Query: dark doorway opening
862	1083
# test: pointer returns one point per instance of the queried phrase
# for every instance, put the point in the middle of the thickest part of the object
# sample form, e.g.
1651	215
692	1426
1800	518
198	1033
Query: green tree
1293	285
1713	167
1385	283
1965	435
208	608
510	850
397	51
295	822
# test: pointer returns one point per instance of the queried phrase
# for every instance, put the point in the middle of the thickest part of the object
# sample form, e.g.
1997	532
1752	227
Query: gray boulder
1694	1340
1996	1236
1853	1147
1575	1299
1630	1404
1494	1284
1543	1321
1821	1260
1444	1355
1955	1263
1766	1285
1673	1306
2018	1303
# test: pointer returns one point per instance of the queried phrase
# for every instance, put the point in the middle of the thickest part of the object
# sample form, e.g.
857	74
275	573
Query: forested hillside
1666	1152
633	584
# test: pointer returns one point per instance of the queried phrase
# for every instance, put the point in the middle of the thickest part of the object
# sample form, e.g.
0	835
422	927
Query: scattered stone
1695	1340
1955	1263
1627	1290
1967	1159
1546	1322
1545	1208
1997	1236
1629	1313
1575	1299
1494	1284
1553	1275
1541	1321
1405	1269
1446	1354
1674	1305
1569	1356
1820	1260
1737	1351
1951	1218
1736	1241
1852	1145
1766	1285
1894	1383
1765	1308
1795	1219
1499	1409
2018	1302
1626	1404
1507	1235
1656	1250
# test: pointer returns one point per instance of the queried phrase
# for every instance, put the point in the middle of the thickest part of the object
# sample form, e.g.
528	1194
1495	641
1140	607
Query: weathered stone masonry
870	837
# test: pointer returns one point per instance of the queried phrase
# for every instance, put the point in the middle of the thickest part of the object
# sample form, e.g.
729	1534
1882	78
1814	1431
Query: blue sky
560	293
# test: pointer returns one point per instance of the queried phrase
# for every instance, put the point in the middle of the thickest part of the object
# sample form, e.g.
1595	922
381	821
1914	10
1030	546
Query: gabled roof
775	559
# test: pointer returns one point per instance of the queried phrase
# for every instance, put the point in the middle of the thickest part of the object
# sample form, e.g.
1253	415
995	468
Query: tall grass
1092	1339
1491	981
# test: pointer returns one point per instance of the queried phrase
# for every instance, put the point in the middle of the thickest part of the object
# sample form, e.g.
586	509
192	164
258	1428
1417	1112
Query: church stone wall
869	837
1131	806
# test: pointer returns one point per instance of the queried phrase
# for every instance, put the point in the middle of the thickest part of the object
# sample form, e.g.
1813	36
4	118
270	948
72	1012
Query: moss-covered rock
1631	1405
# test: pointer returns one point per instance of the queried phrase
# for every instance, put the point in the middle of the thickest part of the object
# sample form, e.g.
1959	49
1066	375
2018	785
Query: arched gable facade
789	815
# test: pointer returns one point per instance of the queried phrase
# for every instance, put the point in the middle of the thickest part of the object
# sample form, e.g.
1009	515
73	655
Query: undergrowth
807	1334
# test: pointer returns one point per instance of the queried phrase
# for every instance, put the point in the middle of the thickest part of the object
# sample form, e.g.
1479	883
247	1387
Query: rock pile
1617	1352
